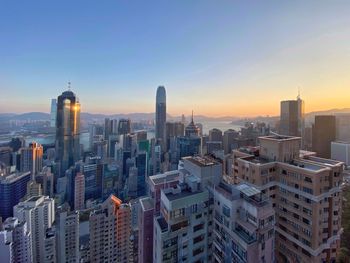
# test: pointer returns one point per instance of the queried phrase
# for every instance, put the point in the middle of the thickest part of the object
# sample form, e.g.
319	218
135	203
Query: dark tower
67	130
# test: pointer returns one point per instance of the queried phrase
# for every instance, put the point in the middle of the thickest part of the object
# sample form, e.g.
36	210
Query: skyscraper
228	140
323	133
292	117
124	126
13	188
192	130
67	130
32	159
160	113
53	113
215	135
79	191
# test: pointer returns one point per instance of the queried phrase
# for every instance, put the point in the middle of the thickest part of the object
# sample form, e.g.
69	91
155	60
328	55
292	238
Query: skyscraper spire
69	83
192	117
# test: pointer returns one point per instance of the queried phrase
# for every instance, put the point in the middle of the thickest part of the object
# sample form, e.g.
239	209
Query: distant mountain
310	117
90	117
42	116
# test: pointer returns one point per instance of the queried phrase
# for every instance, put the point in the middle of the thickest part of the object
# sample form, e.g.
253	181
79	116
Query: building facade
67	130
305	193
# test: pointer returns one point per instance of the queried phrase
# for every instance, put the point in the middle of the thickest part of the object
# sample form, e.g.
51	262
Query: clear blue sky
216	57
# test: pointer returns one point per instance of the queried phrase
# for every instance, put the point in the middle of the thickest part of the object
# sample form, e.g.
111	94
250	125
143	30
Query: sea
84	136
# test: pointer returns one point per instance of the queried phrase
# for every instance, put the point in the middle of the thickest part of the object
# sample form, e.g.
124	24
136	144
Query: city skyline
252	51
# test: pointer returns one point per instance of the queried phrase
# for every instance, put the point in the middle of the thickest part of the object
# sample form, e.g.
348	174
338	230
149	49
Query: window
308	190
306	221
307	179
226	211
198	227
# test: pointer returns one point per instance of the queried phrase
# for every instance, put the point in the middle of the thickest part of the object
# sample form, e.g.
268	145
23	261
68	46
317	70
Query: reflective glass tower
160	113
67	130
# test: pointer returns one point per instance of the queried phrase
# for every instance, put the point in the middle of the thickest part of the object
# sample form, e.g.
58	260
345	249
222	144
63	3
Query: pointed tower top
69	85
298	93
192	117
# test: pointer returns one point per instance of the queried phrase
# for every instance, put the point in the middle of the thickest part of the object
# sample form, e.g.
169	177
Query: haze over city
234	55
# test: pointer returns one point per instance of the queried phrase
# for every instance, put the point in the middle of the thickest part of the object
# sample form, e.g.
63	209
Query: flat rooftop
324	161
256	159
201	161
306	164
10	178
147	203
248	190
342	142
277	137
165	177
183	194
34	198
162	224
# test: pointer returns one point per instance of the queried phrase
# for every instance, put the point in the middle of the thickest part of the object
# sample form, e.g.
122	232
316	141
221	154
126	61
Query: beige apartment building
305	193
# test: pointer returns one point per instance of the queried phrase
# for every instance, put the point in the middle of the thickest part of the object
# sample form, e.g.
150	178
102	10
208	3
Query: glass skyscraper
160	113
67	130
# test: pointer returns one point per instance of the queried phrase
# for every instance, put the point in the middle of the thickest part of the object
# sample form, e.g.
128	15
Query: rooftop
184	193
278	137
201	161
248	190
342	142
325	162
162	224
34	198
256	159
10	178
165	177
147	203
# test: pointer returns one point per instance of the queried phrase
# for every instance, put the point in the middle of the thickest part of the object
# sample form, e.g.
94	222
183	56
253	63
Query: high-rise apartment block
110	230
305	193
79	191
181	231
67	226
145	235
244	222
15	242
39	213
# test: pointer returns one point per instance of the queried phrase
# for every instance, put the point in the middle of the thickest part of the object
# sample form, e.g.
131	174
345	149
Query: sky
218	58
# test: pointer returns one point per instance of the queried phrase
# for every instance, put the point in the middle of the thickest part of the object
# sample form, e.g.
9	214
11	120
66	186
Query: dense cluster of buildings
254	195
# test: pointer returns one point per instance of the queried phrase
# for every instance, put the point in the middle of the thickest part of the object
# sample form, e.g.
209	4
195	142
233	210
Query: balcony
244	235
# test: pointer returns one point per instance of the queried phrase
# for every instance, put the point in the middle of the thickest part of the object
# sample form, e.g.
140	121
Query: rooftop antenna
298	93
69	86
192	115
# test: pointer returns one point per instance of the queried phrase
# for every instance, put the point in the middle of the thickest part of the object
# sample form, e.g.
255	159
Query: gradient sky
215	57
